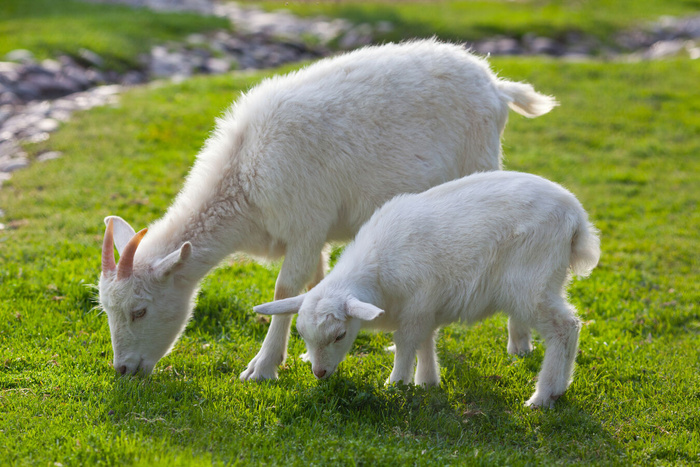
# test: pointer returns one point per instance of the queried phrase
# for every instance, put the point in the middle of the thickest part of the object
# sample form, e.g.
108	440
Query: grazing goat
457	252
297	162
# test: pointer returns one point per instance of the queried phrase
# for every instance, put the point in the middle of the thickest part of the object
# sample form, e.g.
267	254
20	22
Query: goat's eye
138	314
340	337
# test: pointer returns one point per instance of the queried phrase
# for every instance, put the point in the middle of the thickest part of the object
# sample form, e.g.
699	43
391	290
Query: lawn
624	140
474	19
117	33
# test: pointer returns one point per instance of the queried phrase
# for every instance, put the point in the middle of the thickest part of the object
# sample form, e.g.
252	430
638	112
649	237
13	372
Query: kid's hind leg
519	337
558	324
404	359
428	369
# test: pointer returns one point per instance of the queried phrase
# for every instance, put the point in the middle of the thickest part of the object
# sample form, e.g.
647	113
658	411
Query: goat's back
323	147
484	242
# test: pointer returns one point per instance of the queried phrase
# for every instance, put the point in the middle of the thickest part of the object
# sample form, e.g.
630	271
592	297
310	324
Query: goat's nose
320	373
122	369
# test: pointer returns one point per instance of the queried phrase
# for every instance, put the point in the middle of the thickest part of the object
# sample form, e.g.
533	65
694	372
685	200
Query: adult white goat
457	252
299	161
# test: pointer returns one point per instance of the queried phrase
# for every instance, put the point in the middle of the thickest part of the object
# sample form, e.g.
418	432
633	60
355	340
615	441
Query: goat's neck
215	229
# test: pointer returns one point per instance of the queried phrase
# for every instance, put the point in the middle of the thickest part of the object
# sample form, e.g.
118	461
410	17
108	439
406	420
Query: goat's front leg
318	277
295	271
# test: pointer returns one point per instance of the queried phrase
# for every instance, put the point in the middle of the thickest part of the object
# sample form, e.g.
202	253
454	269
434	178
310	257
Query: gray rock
13	164
663	49
508	46
49	156
217	65
37	137
8	148
79	76
60	115
20	55
9	71
196	39
3	178
47	124
544	46
95	76
51	65
132	78
91	58
5	112
9	98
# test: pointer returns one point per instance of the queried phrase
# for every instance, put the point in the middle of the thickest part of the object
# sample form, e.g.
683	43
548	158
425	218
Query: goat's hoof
258	370
539	400
255	375
520	348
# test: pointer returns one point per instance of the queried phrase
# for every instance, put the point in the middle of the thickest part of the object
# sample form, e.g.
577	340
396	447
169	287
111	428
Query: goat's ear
287	306
173	261
362	310
122	232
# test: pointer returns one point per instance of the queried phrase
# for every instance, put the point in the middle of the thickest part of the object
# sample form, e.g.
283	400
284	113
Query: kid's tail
523	98
585	249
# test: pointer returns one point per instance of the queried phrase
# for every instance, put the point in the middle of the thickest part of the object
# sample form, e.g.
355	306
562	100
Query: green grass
624	140
471	20
116	33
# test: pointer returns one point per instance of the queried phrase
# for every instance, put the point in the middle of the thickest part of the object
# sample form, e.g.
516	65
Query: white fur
457	252
304	159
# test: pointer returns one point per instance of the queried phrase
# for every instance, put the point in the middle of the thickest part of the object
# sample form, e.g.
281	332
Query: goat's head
146	302
328	323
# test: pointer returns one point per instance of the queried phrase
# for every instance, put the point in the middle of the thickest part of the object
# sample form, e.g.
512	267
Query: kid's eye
340	337
138	314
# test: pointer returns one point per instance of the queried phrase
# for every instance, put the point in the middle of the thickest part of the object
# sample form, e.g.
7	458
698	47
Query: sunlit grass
471	20
624	140
117	33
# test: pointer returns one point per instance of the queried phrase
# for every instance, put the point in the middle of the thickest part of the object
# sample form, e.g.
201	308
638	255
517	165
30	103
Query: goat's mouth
142	369
324	374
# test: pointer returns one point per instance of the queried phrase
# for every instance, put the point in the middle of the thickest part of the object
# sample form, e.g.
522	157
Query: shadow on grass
200	411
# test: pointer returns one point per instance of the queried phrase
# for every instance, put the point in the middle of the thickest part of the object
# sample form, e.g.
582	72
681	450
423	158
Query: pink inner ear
108	263
126	261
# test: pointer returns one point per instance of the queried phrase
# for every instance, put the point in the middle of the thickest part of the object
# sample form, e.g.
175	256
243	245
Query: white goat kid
457	252
298	161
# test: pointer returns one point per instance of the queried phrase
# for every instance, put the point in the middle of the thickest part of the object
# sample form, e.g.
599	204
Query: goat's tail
522	98
585	248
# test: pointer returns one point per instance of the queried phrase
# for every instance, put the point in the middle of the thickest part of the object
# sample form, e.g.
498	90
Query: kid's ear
287	306
173	261
123	232
361	310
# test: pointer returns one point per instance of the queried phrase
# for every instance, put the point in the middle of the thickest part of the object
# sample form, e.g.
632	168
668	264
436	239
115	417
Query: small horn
108	264
126	261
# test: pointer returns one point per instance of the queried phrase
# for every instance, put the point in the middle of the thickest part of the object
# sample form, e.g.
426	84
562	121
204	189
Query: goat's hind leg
519	337
428	368
558	324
